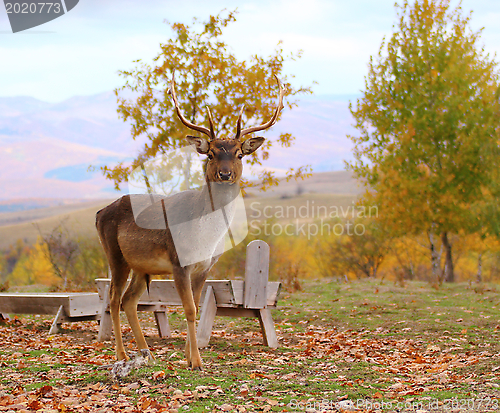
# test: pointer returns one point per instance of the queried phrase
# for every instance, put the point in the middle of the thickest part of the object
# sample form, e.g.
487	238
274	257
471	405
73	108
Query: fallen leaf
157	375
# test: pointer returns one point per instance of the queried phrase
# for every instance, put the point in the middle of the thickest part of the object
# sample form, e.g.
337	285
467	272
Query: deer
142	251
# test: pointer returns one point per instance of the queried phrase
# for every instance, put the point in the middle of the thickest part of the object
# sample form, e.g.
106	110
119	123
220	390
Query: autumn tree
427	122
14	253
206	74
34	267
61	251
359	251
90	263
3	273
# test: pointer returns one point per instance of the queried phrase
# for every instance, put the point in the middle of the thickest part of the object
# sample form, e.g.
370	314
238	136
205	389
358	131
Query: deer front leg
197	282
183	285
129	302
118	281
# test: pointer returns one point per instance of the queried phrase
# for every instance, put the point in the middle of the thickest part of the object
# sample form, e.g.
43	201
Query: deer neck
220	195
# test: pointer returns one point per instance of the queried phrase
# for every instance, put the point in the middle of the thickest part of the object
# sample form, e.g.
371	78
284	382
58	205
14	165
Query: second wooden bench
253	297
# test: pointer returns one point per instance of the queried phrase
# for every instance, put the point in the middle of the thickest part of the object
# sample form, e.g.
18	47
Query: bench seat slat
75	304
228	293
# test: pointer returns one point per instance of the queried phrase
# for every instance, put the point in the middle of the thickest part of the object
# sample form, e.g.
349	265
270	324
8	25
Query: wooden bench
253	297
66	306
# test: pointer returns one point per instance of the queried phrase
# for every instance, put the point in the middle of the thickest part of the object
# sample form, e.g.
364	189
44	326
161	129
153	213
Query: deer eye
210	156
240	156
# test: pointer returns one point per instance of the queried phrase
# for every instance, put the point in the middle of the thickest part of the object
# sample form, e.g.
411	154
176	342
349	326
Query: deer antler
266	125
212	128
238	124
209	132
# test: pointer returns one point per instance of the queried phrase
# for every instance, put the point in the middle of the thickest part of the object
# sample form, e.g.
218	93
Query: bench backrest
256	275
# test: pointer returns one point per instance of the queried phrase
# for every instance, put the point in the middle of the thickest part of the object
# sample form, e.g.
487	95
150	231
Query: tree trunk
435	260
411	271
449	275
479	277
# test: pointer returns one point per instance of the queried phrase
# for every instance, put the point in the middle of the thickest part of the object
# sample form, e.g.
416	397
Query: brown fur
152	251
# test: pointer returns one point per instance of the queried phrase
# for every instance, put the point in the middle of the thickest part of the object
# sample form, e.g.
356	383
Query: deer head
225	155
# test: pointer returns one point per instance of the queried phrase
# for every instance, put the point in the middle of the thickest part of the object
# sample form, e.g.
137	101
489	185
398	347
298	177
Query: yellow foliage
291	261
34	268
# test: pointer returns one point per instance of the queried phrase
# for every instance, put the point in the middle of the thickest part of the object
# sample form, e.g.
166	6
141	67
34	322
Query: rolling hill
321	189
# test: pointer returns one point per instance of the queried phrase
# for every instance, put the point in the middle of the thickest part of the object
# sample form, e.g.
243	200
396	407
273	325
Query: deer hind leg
119	274
183	285
130	300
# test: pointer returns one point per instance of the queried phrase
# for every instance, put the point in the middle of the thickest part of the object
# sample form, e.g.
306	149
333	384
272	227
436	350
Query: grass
367	341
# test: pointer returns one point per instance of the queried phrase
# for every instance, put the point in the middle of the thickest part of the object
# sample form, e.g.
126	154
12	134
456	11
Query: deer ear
201	144
251	145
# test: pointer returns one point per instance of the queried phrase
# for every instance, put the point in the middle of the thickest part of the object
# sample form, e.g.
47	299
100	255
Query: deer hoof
197	368
123	357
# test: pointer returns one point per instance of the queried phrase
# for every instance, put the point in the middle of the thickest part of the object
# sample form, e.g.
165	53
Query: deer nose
225	176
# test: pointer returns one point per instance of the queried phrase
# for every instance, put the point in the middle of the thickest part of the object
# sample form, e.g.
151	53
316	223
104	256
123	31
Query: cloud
49	71
96	39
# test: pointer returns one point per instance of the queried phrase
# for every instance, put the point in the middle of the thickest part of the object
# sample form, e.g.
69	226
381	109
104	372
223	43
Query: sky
81	52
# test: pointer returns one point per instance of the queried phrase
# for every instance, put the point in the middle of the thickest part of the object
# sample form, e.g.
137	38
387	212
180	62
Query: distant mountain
46	148
20	204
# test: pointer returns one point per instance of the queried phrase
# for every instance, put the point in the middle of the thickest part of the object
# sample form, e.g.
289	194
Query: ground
369	345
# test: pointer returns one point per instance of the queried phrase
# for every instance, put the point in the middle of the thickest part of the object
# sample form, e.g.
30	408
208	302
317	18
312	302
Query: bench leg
162	324
105	325
207	318
267	327
54	328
